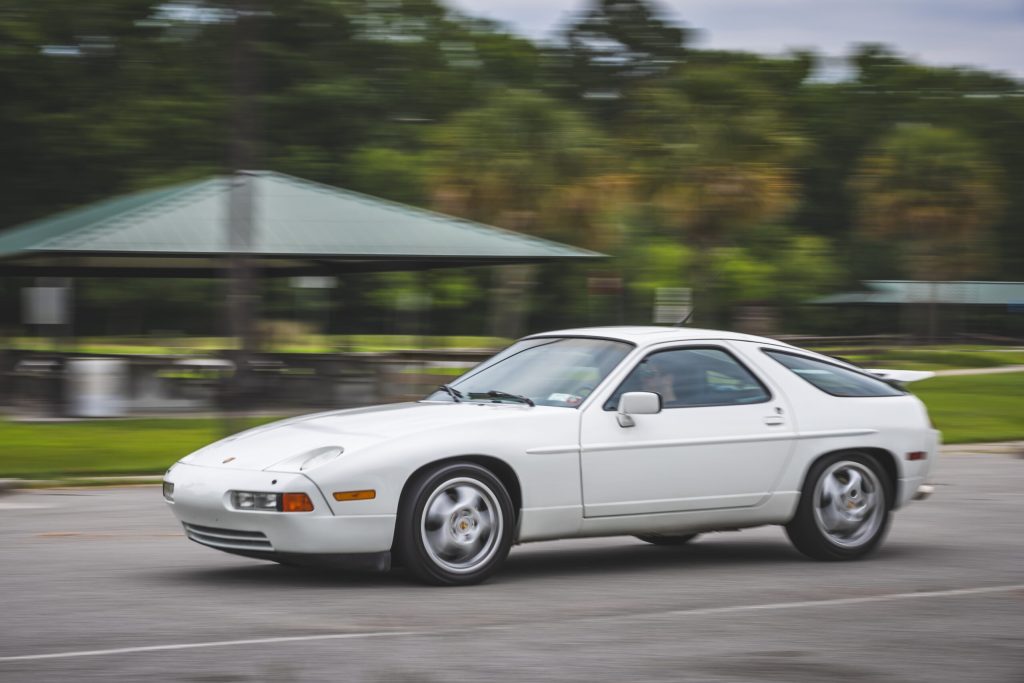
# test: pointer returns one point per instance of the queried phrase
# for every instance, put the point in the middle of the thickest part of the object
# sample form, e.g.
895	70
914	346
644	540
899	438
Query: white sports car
661	433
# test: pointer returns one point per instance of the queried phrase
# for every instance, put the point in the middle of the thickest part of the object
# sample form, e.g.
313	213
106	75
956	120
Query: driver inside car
656	375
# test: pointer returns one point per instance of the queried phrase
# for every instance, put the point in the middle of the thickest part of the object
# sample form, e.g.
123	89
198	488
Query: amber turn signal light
368	494
296	502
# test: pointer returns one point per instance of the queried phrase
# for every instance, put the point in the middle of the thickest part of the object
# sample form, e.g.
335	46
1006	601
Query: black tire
445	514
665	540
838	518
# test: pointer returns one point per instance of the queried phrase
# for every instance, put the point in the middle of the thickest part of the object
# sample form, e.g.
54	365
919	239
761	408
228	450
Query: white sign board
45	305
672	305
97	387
314	282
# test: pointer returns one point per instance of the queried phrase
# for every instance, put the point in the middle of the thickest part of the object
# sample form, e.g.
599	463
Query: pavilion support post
242	294
510	300
242	291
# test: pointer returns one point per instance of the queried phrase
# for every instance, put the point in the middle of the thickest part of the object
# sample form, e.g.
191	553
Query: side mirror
637	403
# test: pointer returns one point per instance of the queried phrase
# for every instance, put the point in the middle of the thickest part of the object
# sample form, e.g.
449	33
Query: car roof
648	335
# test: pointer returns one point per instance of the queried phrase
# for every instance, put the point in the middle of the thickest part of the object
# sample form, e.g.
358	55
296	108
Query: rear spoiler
902	376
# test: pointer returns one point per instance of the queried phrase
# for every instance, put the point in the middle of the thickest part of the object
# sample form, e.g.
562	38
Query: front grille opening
230	539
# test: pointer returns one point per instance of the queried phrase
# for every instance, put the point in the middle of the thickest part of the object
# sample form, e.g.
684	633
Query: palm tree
524	162
714	166
932	193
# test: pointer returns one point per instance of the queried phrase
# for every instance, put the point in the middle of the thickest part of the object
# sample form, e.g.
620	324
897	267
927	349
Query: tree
518	162
846	118
612	45
501	163
933	194
715	161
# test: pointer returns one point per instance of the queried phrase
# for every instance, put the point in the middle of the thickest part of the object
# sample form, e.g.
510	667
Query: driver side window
694	376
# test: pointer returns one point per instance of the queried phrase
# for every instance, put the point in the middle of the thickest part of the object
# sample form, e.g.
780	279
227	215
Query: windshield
549	371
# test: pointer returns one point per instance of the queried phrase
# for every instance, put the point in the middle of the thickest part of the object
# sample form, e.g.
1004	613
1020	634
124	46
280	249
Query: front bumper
202	503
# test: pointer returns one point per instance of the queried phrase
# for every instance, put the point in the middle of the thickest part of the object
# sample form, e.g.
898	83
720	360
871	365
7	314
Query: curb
13	485
987	448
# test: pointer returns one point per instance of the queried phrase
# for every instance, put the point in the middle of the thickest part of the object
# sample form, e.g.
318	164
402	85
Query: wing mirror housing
637	403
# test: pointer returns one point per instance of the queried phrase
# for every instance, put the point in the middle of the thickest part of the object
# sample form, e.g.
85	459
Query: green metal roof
299	226
941	292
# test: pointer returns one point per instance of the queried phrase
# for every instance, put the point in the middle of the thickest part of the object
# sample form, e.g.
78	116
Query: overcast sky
983	33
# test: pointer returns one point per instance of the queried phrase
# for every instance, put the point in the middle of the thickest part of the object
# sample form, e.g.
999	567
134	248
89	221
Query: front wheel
843	512
455	525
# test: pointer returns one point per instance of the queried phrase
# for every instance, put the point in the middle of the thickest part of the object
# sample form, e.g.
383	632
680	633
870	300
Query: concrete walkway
994	448
980	371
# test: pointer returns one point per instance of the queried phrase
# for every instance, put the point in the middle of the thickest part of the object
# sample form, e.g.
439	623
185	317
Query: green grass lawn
966	409
943	357
38	450
974	408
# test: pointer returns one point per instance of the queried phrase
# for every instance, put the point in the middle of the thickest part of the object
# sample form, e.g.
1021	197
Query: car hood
283	444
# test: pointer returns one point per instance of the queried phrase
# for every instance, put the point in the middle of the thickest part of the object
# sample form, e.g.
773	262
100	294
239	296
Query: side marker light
368	494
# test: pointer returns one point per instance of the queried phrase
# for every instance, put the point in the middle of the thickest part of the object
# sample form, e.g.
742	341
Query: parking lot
100	584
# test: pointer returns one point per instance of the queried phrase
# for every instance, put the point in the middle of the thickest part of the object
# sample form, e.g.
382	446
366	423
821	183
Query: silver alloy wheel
849	503
461	525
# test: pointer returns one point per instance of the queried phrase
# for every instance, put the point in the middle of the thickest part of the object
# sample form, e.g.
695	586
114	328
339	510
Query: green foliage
499	163
931	191
740	276
389	173
779	268
713	152
608	47
658	263
805	266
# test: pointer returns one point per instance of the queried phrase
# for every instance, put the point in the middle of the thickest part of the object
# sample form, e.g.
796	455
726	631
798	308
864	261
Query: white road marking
848	601
23	506
215	643
701	611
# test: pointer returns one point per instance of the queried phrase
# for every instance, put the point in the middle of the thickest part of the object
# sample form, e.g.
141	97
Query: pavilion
298	228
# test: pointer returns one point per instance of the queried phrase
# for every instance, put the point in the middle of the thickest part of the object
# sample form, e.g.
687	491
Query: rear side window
834	379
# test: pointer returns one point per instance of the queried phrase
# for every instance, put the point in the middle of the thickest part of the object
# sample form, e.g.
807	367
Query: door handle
773	420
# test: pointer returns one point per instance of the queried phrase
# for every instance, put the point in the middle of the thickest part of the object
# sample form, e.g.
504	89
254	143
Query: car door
721	439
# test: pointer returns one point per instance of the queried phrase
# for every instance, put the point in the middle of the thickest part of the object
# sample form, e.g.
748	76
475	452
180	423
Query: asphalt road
105	580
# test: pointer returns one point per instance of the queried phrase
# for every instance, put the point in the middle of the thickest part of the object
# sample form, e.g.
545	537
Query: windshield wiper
453	392
494	393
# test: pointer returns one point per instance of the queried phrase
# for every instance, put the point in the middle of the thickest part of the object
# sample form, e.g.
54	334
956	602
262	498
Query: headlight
257	501
168	492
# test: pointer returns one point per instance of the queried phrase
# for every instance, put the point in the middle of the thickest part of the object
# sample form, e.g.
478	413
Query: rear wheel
455	525
667	540
843	512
